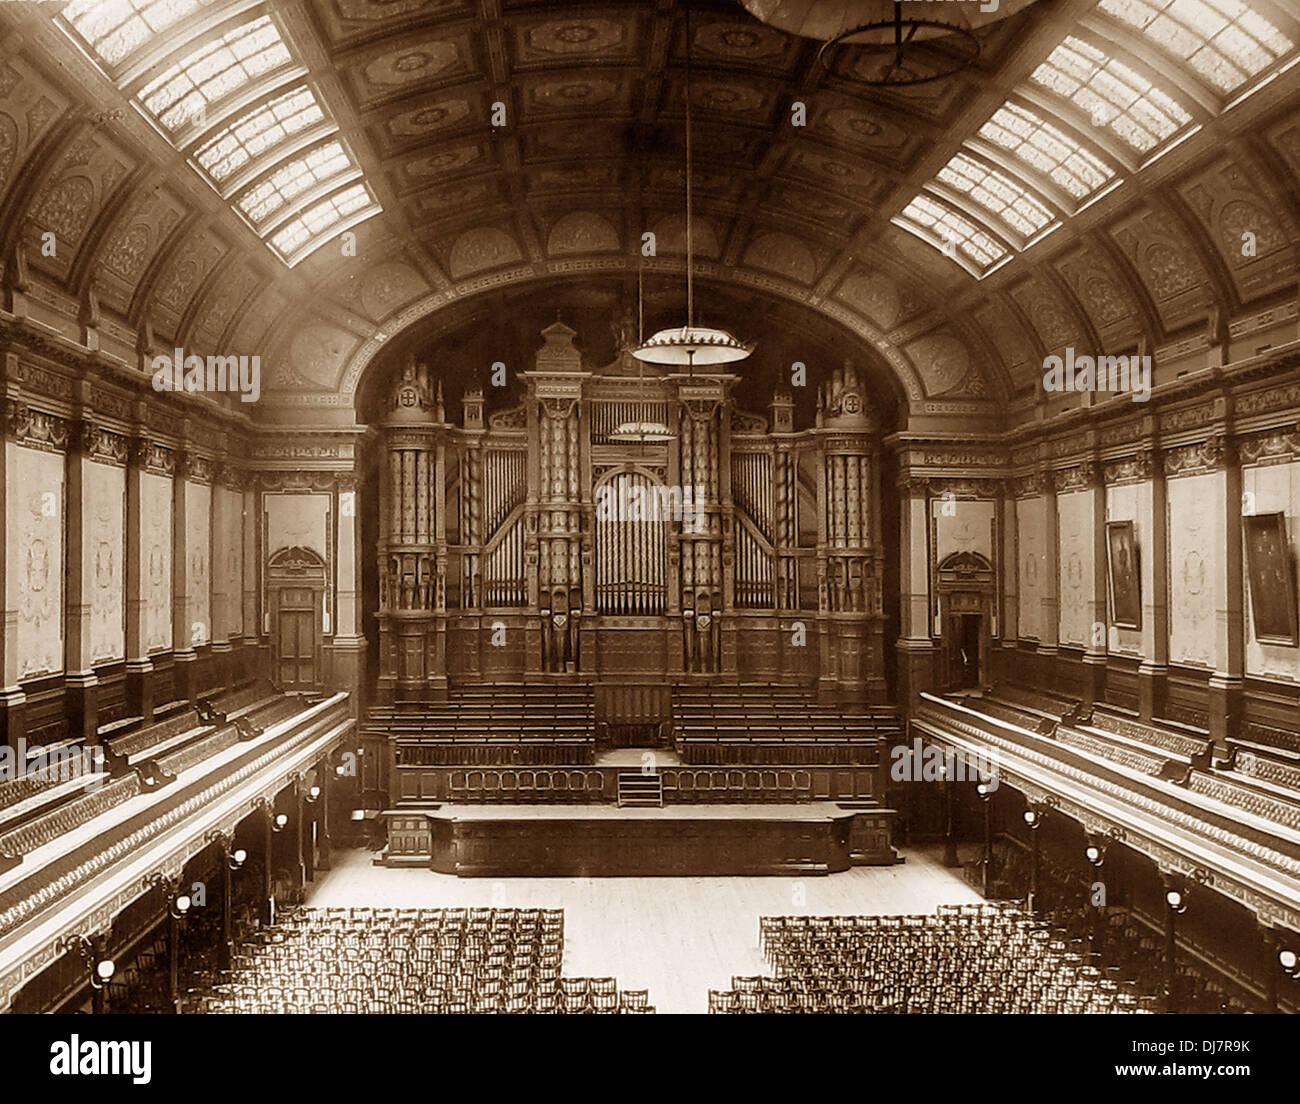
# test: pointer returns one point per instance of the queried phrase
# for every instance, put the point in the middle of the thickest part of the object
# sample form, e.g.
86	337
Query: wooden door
298	640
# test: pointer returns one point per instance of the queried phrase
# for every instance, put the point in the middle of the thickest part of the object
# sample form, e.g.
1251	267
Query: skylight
183	92
1112	94
334	213
1223	40
1002	197
1047	149
292	179
942	224
259	132
115	29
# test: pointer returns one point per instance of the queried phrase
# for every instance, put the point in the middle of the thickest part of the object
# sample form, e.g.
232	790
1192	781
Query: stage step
643	790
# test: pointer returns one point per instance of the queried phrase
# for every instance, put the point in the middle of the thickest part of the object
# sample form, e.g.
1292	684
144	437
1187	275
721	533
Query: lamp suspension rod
690	232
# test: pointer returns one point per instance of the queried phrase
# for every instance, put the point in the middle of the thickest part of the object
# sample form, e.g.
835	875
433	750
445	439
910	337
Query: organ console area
623	525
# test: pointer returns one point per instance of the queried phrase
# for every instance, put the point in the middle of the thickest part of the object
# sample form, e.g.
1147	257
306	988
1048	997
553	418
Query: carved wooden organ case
540	545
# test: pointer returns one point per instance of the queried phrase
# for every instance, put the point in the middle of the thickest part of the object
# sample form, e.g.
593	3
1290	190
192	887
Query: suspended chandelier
641	433
903	42
691	345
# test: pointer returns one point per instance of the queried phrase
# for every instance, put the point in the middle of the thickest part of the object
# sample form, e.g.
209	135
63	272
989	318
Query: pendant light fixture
641	433
691	345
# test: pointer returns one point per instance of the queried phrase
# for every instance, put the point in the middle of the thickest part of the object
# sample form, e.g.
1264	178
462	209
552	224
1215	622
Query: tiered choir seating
964	959
774	724
535	725
411	961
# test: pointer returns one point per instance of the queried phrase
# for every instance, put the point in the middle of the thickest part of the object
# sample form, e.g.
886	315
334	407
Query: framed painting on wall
1125	575
1270	572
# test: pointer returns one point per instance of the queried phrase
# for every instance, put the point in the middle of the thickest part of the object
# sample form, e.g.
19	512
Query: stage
609	841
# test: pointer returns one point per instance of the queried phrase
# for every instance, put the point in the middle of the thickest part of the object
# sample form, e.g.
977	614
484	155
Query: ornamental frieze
514	418
110	404
36	429
1066	446
974	488
1198	459
198	469
231	477
743	422
1268	399
1079	478
1191	417
104	446
297	481
1031	485
1274	446
264	451
1132	469
152	458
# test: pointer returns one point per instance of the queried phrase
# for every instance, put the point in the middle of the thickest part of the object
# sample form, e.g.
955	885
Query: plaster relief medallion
567	94
748	43
425	120
476	250
582	232
406	65
942	361
874	294
448	161
571	37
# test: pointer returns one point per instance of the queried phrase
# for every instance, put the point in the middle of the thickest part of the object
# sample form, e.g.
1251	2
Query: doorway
969	631
296	585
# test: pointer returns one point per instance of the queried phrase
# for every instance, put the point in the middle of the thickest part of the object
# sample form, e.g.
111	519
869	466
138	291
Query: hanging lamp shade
642	433
692	347
838	19
911	41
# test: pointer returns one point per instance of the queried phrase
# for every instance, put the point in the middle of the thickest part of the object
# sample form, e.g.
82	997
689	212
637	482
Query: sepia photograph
602	507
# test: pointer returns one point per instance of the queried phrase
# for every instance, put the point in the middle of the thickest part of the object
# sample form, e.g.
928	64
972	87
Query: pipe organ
726	545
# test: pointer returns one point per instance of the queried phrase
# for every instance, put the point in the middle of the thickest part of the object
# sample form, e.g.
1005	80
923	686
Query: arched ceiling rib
221	147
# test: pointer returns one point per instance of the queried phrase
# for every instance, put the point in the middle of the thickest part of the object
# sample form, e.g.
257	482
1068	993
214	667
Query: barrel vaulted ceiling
203	164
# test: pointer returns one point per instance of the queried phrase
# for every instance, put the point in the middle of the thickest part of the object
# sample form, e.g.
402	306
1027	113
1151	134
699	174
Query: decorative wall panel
156	571
1030	515
198	556
35	540
104	550
1195	563
1075	525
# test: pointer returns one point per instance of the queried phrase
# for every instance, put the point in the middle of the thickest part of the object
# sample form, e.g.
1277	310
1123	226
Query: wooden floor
677	937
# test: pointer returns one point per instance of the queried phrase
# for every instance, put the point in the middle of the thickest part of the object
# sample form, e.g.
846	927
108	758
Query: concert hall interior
631	506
